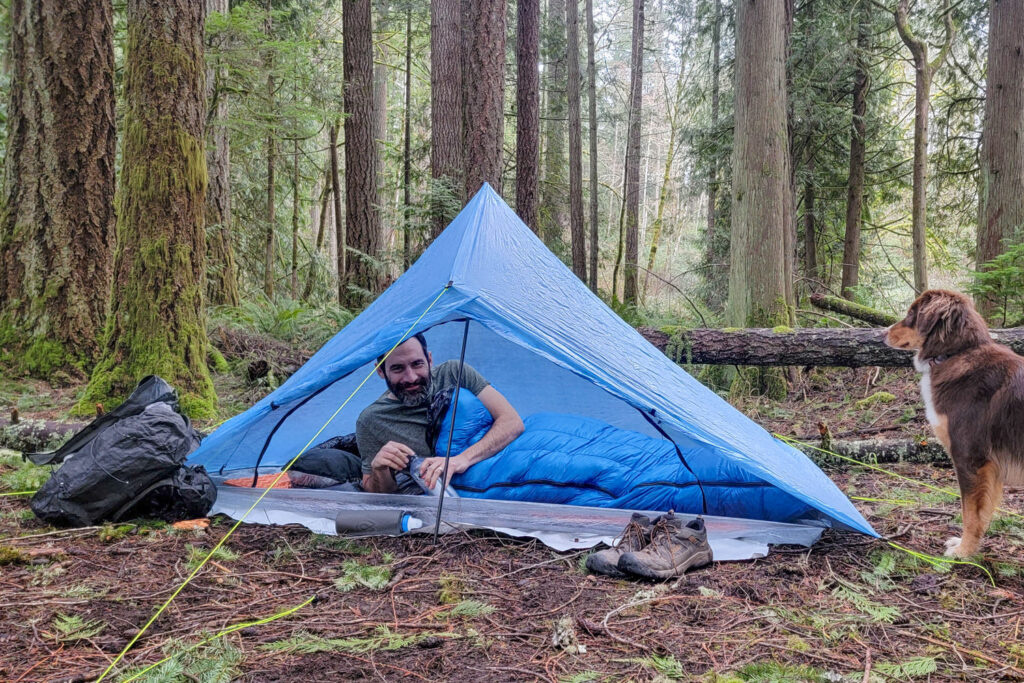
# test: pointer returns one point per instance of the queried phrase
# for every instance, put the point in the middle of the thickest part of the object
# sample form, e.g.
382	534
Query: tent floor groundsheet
561	527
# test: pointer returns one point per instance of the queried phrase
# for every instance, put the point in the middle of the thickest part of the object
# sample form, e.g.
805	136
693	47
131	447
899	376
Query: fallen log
846	307
27	435
851	348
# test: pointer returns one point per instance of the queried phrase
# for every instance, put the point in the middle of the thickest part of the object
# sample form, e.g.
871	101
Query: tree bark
340	237
852	348
446	133
631	186
485	112
363	234
294	280
407	148
527	111
924	72
271	217
592	131
576	228
855	181
325	197
553	199
757	288
59	189
713	255
1002	140
222	272
810	228
157	315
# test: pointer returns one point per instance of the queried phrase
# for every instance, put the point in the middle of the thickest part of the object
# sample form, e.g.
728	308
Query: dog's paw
956	548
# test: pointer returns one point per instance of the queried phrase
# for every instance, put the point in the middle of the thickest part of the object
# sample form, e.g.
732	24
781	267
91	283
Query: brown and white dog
973	391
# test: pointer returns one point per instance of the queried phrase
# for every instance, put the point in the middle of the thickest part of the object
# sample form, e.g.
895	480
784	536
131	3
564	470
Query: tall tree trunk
527	111
270	241
222	273
446	133
406	148
553	198
810	228
631	187
715	275
1002	140
485	95
592	130
364	237
295	221
576	232
157	316
59	189
924	72
665	180
789	207
321	220
855	182
340	237
760	172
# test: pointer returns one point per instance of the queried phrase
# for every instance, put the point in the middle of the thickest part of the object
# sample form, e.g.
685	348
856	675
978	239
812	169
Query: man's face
407	373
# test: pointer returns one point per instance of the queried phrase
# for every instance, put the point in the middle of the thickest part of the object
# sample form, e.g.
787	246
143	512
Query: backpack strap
145	492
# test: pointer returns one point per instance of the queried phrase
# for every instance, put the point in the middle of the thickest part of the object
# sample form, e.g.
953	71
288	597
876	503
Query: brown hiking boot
673	549
635	536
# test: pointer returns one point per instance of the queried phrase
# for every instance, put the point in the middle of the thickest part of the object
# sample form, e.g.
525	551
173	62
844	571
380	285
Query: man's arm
392	456
506	427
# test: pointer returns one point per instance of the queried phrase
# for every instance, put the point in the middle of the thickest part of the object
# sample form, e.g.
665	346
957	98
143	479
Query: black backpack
130	460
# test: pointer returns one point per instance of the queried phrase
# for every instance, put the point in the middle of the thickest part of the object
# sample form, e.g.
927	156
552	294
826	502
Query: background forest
173	165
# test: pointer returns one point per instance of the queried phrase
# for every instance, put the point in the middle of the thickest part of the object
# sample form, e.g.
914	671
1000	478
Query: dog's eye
911	317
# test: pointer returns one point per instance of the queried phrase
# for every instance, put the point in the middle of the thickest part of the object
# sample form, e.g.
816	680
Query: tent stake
451	432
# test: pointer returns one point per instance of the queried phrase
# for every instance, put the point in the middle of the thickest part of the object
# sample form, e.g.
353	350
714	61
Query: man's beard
412	394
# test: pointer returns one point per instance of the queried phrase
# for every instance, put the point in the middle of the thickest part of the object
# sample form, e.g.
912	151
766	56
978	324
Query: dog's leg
980	494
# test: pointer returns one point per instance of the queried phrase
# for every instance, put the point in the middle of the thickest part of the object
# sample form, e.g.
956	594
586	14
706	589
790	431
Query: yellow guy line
266	490
17	493
937	489
229	629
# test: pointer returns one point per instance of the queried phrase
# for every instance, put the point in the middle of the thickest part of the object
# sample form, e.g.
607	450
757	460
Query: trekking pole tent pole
451	432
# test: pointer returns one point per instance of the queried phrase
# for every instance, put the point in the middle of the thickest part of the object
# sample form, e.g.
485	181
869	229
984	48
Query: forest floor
482	606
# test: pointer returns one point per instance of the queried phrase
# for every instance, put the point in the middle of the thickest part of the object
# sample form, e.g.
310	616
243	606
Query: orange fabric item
263	481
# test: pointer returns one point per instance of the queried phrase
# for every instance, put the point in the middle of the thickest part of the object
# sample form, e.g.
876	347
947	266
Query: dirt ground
481	606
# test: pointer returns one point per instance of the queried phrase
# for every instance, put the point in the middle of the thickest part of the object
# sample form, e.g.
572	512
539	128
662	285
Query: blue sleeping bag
563	458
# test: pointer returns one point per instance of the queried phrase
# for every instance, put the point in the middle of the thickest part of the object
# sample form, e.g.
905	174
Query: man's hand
392	455
432	468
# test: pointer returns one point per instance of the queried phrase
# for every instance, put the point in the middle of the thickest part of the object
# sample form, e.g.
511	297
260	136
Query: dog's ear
931	311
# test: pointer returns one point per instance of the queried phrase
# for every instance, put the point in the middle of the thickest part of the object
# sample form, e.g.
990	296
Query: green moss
875	399
9	555
218	362
782	329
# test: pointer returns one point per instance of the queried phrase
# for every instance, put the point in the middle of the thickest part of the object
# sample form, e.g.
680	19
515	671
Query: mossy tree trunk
855	182
157	321
59	189
576	228
363	233
222	273
760	190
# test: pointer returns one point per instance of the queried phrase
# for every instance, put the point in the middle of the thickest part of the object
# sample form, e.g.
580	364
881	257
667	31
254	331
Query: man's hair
418	337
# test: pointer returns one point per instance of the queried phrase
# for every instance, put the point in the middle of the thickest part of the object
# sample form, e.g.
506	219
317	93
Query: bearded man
393	429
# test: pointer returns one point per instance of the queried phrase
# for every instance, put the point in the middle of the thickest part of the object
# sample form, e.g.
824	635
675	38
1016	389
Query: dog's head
939	323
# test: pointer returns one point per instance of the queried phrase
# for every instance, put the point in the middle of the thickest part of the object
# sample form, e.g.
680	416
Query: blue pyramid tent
548	344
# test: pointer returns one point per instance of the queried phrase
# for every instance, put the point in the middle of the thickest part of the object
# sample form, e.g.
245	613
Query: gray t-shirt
387	419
